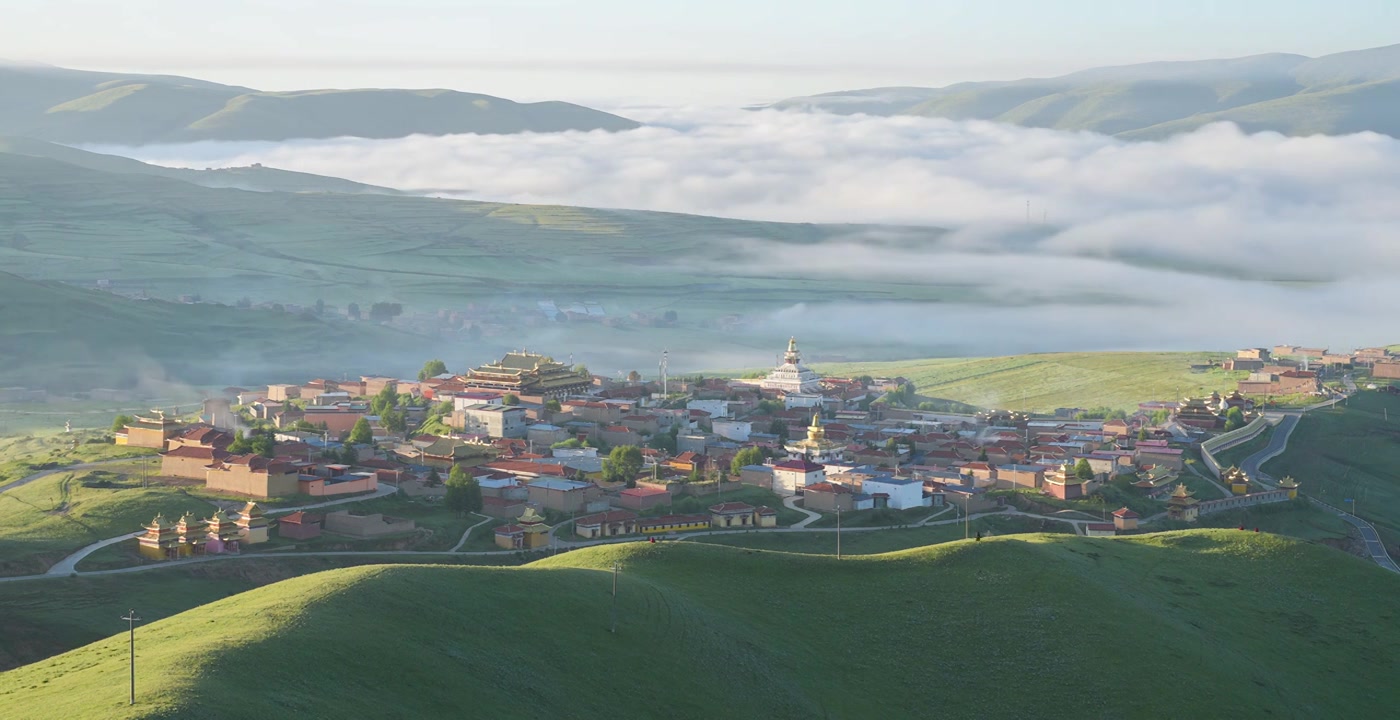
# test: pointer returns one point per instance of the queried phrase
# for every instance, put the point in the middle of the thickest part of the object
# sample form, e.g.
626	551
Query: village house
1386	371
1158	452
606	524
299	526
742	515
642	498
1063	483
791	476
252	476
757	475
373	525
190	462
1100	529
673	523
564	495
149	431
494	421
1125	519
895	493
828	497
1292	382
1023	476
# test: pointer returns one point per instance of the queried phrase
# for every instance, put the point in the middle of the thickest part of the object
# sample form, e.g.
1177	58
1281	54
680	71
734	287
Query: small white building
802	400
902	493
790	476
736	430
716	408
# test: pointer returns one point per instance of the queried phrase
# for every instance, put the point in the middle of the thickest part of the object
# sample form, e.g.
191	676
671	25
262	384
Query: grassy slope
1350	451
75	224
66	338
46	520
48	617
74	106
263	179
1225	614
1045	382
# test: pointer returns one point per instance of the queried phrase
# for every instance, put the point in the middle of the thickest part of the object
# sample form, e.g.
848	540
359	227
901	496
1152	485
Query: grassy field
44	521
23	455
1044	382
883	541
1350	451
1223	613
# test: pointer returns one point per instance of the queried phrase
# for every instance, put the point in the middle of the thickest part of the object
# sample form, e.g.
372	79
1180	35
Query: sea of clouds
1211	239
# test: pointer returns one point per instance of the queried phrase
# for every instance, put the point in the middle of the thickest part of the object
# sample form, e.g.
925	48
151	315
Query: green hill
1043	382
65	338
1342	93
255	177
1193	624
76	106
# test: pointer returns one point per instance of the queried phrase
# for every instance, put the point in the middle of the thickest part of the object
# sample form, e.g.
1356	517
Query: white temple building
792	376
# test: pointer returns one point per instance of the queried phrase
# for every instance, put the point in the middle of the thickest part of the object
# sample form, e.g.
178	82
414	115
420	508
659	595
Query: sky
625	52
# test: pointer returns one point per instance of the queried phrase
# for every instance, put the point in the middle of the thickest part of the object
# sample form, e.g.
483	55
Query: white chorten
792	376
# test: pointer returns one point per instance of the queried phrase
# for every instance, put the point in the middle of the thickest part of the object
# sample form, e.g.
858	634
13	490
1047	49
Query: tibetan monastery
792	377
149	431
527	373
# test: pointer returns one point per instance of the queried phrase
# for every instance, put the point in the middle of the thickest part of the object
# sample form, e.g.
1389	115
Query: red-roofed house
641	498
791	476
607	524
828	497
299	526
190	461
741	515
1125	519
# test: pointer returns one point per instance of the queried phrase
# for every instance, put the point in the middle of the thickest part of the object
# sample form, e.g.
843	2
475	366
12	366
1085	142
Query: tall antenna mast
665	365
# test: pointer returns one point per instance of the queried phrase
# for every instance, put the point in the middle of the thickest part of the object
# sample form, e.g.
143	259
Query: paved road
1278	442
791	504
1374	546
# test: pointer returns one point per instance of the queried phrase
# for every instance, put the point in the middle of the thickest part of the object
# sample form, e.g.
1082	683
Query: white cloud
1158	224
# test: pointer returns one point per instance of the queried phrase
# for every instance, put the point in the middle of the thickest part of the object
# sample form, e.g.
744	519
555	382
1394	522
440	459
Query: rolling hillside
1251	624
256	178
76	106
65	338
1044	382
1292	94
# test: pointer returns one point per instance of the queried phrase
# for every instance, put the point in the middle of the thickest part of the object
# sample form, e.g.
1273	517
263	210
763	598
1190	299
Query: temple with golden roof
815	447
1237	480
1182	505
527	373
526	533
191	536
1289	484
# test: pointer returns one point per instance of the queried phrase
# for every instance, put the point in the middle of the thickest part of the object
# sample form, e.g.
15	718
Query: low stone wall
1230	439
1242	501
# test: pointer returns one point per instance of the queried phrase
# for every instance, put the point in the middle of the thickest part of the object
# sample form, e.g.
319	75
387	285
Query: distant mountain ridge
78	106
1343	93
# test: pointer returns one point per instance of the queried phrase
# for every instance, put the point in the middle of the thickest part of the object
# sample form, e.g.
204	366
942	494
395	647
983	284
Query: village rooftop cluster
539	438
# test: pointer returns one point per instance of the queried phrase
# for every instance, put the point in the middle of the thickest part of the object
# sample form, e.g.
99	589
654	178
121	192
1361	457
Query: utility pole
967	518
614	600
131	621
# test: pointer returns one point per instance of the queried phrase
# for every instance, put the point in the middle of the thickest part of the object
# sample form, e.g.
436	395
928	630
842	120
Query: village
547	449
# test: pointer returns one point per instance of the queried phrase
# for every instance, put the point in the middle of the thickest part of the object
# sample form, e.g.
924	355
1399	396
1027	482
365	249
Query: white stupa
792	376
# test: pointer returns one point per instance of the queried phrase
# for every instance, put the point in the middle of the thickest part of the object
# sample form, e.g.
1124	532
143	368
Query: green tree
1142	434
623	464
432	368
434	479
240	444
458	495
361	434
510	399
1082	470
120	422
779	427
384	401
1234	419
394	421
553	405
745	457
666	440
